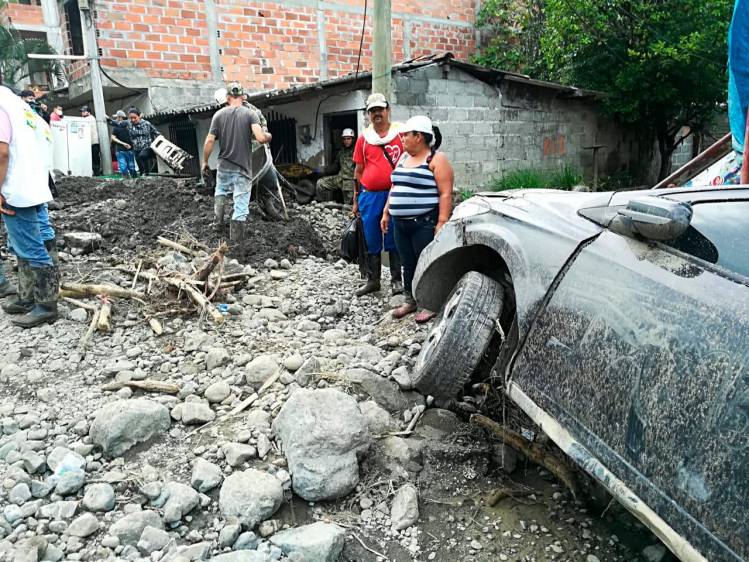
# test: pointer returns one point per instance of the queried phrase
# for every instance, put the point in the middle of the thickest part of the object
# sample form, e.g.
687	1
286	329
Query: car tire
305	191
460	336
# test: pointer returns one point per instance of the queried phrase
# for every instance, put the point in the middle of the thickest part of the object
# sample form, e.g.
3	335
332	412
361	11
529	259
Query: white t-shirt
94	131
27	181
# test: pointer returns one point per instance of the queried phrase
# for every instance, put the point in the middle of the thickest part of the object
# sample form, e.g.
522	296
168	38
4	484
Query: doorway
334	124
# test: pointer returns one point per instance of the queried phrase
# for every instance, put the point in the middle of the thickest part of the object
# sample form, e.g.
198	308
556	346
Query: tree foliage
662	62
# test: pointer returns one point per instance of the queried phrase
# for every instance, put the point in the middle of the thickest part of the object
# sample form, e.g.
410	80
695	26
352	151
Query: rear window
719	234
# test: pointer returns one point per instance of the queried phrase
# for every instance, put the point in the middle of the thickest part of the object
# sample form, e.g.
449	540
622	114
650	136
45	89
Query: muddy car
623	329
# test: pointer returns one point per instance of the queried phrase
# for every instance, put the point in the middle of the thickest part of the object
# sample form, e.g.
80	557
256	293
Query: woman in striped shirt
420	201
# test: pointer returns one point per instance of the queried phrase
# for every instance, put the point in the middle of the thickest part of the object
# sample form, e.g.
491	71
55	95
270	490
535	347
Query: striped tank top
414	191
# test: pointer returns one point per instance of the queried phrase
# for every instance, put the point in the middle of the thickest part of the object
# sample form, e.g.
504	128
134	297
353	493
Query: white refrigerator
71	146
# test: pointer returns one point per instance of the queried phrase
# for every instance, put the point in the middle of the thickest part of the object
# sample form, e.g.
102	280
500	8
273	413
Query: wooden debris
80	304
104	322
176	246
80	290
533	451
216	258
147	385
501	493
91	328
156	326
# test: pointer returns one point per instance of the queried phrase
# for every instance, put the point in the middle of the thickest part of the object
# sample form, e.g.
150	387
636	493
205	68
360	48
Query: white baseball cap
376	100
348	133
419	124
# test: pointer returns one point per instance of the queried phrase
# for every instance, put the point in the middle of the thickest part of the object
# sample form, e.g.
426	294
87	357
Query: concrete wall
490	130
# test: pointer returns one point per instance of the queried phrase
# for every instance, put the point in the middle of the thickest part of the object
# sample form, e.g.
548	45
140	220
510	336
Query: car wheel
460	336
305	191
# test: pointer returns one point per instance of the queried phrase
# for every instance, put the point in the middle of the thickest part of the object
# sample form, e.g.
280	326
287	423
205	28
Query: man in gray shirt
234	126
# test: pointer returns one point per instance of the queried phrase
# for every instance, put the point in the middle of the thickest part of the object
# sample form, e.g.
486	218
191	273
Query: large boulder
250	496
321	542
120	425
241	556
323	432
129	528
177	500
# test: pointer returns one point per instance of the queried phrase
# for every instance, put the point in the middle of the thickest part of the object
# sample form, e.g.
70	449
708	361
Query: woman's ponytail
437	143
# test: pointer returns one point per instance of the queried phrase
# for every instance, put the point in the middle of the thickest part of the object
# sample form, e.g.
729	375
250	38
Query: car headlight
472	207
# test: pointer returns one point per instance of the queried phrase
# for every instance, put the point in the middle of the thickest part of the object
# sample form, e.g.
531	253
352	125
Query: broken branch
176	246
81	290
216	258
147	385
91	327
104	322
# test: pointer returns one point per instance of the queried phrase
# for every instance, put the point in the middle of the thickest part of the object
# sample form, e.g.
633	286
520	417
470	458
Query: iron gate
182	133
283	145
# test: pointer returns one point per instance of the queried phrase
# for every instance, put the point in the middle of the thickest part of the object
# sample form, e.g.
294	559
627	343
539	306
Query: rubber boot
396	273
219	210
237	232
24	302
46	290
374	273
6	287
51	246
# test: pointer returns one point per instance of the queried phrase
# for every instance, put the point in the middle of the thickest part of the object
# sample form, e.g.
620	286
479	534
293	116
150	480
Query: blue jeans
25	234
371	205
239	186
412	235
126	163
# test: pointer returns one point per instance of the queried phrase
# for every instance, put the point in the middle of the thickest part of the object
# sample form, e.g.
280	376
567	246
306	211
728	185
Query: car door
642	354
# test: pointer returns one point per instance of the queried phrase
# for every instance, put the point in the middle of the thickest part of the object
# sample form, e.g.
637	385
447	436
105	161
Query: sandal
404	310
424	316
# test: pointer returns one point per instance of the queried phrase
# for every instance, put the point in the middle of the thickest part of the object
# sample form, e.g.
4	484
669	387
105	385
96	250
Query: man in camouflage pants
343	168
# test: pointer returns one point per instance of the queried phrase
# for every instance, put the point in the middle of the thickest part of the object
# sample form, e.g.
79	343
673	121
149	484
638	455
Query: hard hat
235	89
220	95
348	133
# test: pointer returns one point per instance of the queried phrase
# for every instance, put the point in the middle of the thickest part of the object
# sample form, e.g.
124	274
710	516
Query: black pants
412	235
95	159
145	161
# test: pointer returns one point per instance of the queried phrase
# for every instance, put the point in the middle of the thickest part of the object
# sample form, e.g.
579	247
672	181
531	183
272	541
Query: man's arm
4	159
115	140
210	140
260	136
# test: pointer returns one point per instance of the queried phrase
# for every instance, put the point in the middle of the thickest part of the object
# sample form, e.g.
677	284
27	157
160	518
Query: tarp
738	72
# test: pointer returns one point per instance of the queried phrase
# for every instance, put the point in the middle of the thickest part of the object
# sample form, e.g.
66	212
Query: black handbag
350	241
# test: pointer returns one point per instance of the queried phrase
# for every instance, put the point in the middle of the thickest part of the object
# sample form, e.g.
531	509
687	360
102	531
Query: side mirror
653	218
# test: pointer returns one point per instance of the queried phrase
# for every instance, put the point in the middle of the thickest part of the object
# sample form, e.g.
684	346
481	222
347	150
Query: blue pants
25	234
412	235
240	186
126	163
371	205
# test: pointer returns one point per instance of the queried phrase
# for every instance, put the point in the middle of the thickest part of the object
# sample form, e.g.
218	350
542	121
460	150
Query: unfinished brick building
167	53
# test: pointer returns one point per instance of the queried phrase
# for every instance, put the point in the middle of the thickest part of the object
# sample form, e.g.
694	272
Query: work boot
237	232
51	246
219	210
396	273
6	288
24	302
46	290
374	272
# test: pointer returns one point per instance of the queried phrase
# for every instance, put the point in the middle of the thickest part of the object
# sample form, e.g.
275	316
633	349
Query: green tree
662	62
15	64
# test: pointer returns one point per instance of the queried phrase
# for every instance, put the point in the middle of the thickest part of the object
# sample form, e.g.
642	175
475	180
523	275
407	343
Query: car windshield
719	234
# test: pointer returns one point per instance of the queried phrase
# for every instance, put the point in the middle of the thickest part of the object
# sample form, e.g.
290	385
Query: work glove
3	210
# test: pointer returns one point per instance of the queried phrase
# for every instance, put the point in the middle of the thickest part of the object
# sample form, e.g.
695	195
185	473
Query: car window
719	234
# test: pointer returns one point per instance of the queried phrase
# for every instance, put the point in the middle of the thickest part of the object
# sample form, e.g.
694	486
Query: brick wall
22	14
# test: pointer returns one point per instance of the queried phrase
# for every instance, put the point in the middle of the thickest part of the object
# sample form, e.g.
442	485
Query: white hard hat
419	124
220	95
348	133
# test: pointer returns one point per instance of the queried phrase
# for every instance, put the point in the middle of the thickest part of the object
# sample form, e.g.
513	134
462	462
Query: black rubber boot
237	233
7	289
374	273
24	302
396	273
51	246
219	210
46	290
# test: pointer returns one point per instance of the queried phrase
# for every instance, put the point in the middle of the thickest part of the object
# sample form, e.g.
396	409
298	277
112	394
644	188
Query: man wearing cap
95	154
124	146
342	170
233	127
30	98
376	154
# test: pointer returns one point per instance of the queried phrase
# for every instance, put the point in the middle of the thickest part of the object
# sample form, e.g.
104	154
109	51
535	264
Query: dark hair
134	110
437	141
26	93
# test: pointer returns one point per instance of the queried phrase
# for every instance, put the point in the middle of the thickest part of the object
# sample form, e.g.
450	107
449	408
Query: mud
130	214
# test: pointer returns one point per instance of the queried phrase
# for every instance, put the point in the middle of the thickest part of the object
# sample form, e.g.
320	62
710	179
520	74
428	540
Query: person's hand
205	166
127	146
43	106
384	224
439	226
3	210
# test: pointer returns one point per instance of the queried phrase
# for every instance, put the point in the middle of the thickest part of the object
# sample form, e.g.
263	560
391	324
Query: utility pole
97	88
382	49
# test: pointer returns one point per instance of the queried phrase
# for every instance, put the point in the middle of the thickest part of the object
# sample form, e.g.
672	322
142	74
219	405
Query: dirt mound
131	214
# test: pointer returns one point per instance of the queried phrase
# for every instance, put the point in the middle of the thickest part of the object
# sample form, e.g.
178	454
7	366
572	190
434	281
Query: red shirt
377	169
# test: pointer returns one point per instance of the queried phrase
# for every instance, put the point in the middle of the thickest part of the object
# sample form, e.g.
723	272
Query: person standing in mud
121	139
233	127
142	133
24	194
376	153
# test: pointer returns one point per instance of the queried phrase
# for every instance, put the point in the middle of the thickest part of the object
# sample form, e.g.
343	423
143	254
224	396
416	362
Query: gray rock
120	425
228	535
404	511
250	496
246	541
177	500
197	413
241	556
321	542
377	418
32	462
322	432
385	392
217	392
19	494
505	457
293	362
654	553
260	369
216	357
30	549
196	340
128	529
263	445
437	423
238	453
70	482
63	454
78	315
59	510
205	475
258	419
153	539
309	369
272	314
83	525
99	497
84	241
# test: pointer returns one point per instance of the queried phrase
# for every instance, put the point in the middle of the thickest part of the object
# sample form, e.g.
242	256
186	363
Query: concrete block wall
491	130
